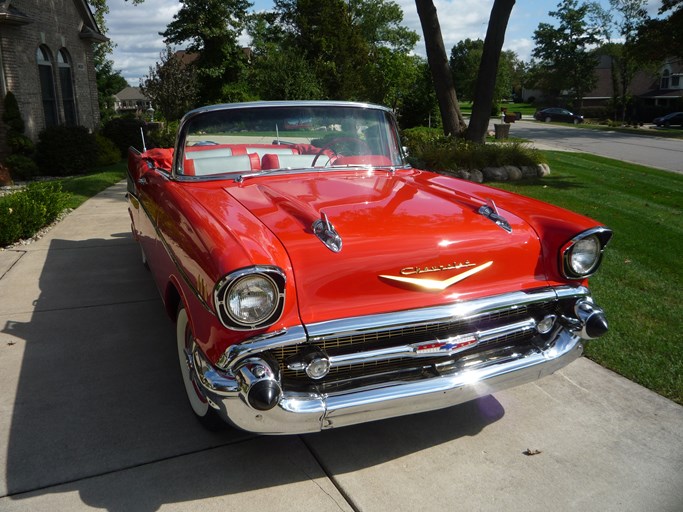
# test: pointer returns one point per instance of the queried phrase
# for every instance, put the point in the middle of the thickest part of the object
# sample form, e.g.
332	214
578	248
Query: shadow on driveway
100	408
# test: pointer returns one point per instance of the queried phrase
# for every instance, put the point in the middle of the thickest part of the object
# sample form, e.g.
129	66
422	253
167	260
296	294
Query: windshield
263	138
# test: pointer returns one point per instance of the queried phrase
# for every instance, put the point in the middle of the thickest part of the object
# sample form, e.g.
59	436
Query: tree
171	85
464	61
212	28
419	106
109	80
565	59
345	42
625	61
451	117
488	69
658	39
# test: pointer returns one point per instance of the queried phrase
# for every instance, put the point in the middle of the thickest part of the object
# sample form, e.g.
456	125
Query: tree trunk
453	122
488	69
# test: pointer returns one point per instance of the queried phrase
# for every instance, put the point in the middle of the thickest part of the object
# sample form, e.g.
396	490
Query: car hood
407	241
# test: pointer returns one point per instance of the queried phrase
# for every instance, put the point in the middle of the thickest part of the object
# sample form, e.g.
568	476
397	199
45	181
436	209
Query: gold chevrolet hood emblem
435	284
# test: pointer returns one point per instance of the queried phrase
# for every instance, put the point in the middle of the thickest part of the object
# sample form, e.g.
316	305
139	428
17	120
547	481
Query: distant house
661	89
653	92
46	60
130	100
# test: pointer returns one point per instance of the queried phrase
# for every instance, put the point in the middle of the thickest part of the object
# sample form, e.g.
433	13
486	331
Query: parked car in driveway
673	119
317	280
557	114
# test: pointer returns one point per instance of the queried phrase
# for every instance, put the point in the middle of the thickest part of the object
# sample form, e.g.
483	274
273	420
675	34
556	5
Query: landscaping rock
514	173
476	176
543	170
529	171
495	173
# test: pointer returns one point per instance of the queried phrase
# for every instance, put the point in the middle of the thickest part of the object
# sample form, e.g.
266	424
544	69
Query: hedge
25	212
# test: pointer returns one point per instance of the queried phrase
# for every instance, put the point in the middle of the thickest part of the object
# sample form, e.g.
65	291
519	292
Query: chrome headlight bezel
272	277
571	269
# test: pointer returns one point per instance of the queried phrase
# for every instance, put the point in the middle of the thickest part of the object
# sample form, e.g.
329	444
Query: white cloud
135	28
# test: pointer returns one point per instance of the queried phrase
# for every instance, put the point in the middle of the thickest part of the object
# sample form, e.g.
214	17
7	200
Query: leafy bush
11	115
23	213
125	132
107	152
164	137
64	150
439	153
22	167
19	144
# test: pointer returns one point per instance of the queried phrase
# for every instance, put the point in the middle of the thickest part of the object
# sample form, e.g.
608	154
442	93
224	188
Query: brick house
662	88
46	60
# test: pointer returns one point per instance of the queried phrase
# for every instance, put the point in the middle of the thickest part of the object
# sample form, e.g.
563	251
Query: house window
66	84
675	81
665	79
47	86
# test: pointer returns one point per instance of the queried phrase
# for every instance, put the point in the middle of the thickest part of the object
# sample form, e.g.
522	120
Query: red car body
350	287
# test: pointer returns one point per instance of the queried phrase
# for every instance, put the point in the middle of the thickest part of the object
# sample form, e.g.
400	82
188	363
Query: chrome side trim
173	258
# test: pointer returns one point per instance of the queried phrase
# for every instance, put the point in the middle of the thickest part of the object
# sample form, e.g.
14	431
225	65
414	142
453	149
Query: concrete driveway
93	415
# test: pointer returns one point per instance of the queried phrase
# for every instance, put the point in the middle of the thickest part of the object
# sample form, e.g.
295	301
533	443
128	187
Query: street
659	152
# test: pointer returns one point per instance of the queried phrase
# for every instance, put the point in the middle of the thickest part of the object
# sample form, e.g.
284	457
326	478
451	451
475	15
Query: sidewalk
93	415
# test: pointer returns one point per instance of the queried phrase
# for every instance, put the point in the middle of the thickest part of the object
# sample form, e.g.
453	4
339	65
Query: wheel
186	345
576	121
341	140
548	119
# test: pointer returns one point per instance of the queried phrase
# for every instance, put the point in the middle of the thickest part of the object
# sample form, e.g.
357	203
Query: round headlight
251	299
584	256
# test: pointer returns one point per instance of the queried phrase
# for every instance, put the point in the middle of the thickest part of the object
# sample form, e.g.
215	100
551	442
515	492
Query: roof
11	15
130	93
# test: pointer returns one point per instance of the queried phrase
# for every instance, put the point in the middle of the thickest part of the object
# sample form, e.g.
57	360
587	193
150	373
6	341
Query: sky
134	29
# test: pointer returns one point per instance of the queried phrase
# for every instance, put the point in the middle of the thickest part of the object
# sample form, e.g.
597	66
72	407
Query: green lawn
83	187
526	109
640	284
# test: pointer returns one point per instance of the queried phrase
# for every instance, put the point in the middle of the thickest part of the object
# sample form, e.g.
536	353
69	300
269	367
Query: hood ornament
490	211
324	230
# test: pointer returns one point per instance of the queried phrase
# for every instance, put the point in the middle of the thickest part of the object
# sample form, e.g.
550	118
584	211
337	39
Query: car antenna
142	134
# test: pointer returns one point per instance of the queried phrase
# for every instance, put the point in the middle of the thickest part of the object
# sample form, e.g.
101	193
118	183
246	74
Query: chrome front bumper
302	412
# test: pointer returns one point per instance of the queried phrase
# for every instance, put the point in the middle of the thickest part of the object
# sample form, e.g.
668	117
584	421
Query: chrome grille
368	340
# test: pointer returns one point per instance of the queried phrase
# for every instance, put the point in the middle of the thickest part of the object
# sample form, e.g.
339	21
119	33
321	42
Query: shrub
23	213
125	132
22	167
64	150
107	152
11	115
19	143
164	137
447	153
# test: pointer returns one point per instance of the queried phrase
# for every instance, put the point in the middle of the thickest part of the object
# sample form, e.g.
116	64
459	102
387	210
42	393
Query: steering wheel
340	140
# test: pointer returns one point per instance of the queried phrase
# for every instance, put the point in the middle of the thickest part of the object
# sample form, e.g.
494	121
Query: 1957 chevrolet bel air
317	280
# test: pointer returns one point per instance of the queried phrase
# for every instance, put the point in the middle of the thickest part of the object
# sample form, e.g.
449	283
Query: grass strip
85	186
640	283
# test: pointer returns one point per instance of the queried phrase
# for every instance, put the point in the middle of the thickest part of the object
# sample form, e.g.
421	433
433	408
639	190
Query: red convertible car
317	280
